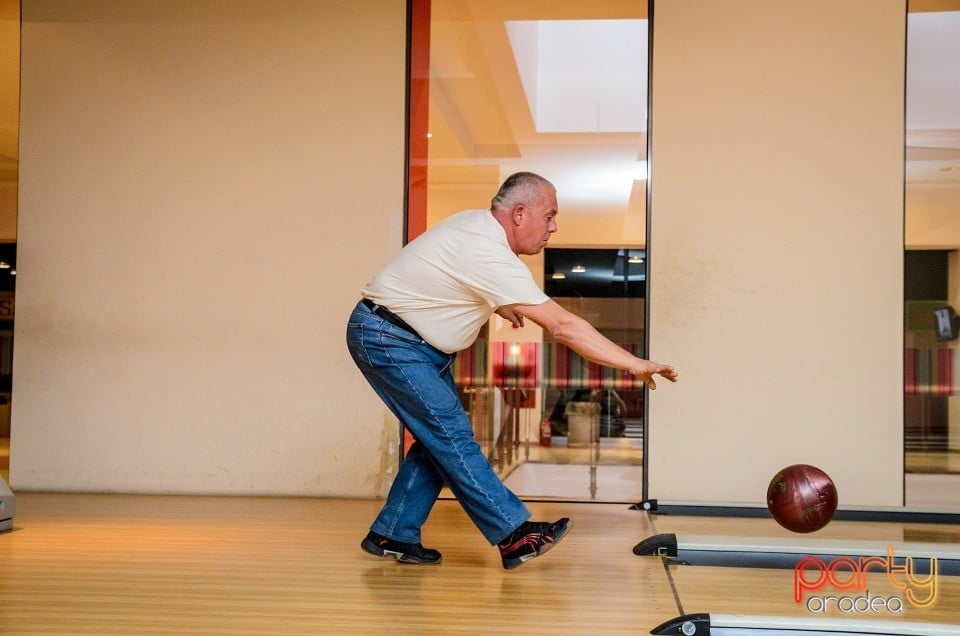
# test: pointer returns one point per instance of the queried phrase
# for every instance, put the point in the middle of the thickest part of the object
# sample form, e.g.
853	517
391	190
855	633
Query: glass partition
932	259
9	163
560	89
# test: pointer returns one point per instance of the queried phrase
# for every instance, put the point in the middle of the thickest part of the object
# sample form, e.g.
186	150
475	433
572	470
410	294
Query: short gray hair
520	187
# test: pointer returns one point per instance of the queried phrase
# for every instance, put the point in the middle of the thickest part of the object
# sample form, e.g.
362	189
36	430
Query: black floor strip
666	567
673	586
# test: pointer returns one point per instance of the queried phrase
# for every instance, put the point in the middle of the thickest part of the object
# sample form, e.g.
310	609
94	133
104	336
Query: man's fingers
668	372
653	368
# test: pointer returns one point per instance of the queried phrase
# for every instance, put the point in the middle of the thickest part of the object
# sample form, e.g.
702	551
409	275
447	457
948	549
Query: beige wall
204	187
776	246
932	219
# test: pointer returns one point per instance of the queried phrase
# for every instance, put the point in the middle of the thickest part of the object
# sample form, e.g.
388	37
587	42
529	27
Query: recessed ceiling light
634	259
4	265
559	276
578	269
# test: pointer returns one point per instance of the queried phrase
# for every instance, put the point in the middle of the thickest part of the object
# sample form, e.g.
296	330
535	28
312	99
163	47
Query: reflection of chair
507	445
516	372
471	372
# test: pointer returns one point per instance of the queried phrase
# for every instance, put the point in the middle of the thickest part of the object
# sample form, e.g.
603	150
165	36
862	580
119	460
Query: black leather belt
389	316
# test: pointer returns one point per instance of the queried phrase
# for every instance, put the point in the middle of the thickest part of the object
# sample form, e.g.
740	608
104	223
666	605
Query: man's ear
517	214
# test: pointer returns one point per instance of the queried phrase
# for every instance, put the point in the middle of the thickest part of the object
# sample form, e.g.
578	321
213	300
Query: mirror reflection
559	89
932	259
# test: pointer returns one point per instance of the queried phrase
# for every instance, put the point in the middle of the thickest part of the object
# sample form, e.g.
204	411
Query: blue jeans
415	382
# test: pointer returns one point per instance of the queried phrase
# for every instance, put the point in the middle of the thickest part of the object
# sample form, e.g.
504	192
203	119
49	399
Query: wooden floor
112	564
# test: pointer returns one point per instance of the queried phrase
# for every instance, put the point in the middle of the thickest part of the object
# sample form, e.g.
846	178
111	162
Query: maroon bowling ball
802	498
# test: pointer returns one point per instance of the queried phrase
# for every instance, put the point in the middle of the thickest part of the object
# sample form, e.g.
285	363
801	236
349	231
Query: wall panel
776	240
204	188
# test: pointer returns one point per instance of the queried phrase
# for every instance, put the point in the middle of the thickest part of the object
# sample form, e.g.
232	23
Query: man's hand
509	312
646	369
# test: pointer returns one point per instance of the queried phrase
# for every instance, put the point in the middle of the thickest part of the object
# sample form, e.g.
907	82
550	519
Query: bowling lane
760	600
803	551
761	543
767	598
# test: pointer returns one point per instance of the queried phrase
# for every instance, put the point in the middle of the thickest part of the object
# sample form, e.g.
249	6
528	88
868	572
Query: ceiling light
578	269
559	276
635	260
4	265
600	91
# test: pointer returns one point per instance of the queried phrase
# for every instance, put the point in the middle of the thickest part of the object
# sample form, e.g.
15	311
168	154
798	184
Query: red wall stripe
419	124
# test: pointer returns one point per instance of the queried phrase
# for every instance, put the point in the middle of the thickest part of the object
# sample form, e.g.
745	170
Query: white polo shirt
448	281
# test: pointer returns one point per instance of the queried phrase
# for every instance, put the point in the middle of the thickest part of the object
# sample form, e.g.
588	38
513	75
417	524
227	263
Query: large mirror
932	258
560	89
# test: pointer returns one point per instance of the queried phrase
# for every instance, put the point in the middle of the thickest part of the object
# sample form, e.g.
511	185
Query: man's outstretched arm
579	335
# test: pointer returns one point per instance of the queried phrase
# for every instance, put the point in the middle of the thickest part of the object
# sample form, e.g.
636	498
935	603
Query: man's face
538	222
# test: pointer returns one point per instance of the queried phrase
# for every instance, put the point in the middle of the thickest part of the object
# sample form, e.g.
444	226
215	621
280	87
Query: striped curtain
516	364
471	367
533	365
926	371
930	372
565	369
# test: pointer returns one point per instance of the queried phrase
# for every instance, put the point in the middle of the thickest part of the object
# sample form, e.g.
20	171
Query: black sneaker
531	540
379	545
